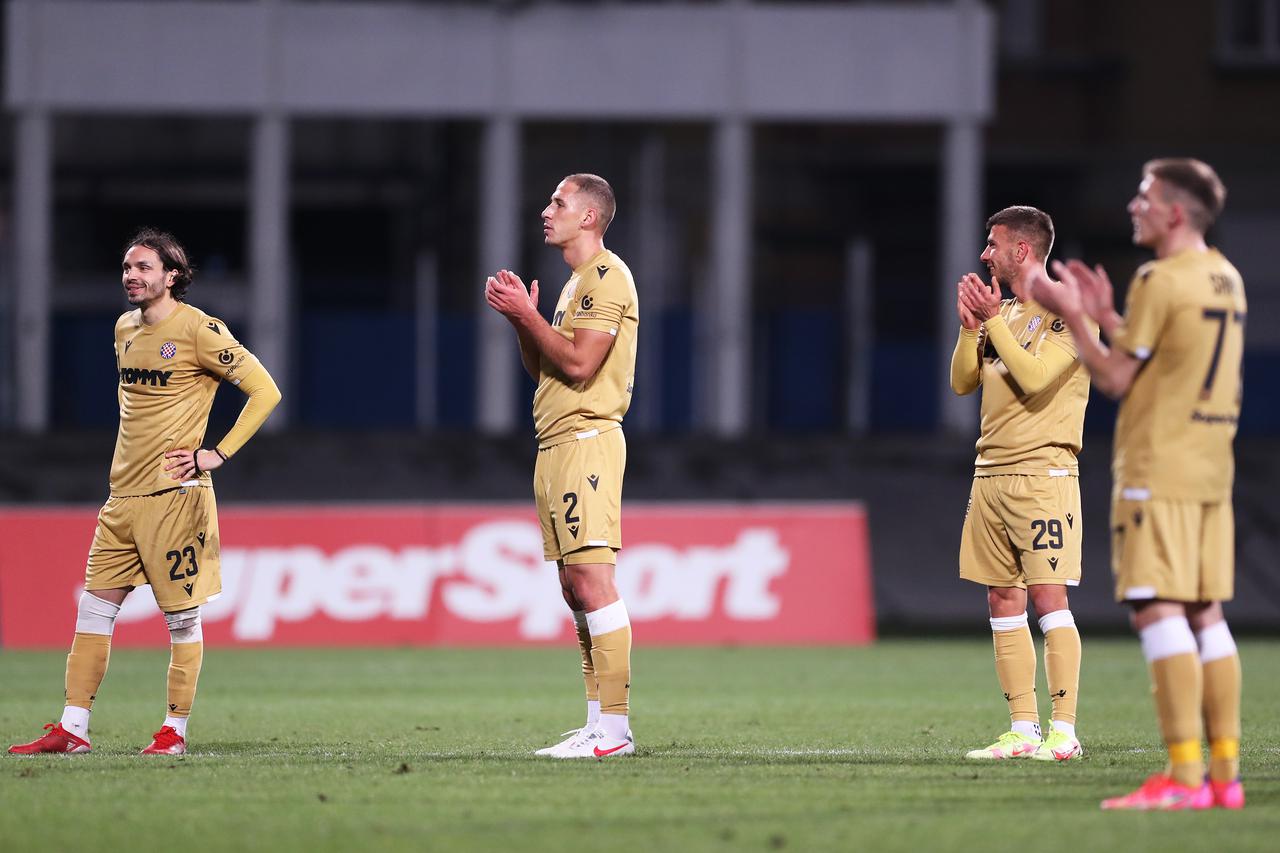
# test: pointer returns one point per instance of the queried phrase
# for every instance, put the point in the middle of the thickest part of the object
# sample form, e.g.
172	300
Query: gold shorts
1022	530
169	540
578	489
1172	550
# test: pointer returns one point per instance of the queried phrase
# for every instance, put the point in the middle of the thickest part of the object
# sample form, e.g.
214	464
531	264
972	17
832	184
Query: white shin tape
184	626
95	616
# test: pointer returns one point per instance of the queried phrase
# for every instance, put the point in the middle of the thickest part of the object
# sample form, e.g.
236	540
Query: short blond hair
600	193
1198	183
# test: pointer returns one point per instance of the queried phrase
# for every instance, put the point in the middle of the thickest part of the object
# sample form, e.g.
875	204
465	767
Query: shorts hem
998	583
592	554
1175	599
185	605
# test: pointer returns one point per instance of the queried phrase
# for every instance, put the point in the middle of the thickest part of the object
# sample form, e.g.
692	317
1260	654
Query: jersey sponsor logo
225	357
1057	326
142	376
168	349
1211	419
602	270
587	302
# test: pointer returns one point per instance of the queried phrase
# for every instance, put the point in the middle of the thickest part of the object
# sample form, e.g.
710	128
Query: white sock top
609	618
1169	637
1056	619
76	720
1009	623
615	725
179	725
1215	642
1027	727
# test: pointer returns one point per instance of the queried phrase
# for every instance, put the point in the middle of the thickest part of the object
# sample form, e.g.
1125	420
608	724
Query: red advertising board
468	575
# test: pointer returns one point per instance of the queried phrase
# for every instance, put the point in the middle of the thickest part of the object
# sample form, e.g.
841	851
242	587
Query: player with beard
1022	528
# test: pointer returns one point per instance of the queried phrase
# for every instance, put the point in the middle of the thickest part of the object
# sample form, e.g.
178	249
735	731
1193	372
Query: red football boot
167	741
57	740
1228	795
1161	794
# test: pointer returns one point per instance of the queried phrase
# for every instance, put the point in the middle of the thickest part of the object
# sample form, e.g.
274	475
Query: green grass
739	749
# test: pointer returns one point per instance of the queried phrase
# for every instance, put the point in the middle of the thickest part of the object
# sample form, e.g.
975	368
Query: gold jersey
168	374
1184	317
600	295
1030	433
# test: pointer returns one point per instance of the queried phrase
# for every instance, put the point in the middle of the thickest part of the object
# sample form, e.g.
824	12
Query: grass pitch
739	749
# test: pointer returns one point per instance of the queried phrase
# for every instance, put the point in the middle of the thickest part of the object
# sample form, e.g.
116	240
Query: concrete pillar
426	303
33	268
651	268
270	323
497	361
724	341
961	230
860	324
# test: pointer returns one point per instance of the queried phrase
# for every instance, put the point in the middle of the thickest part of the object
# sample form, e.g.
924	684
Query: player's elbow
1035	385
579	373
270	396
962	386
1110	387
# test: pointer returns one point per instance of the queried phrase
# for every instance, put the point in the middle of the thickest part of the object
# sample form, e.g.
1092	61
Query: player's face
145	281
1150	213
562	217
1000	256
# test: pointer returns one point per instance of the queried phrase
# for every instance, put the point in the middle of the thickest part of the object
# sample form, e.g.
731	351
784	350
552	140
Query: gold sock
1222	717
1062	670
86	667
611	657
184	672
1176	684
1016	669
584	646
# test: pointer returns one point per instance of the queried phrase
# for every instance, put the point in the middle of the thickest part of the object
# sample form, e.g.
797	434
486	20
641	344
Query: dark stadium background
843	403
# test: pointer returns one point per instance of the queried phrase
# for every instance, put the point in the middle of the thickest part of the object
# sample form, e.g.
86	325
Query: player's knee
1006	601
95	616
1049	597
184	626
1057	619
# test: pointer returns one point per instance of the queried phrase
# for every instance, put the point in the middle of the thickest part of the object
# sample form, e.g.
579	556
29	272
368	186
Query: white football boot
593	742
569	737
